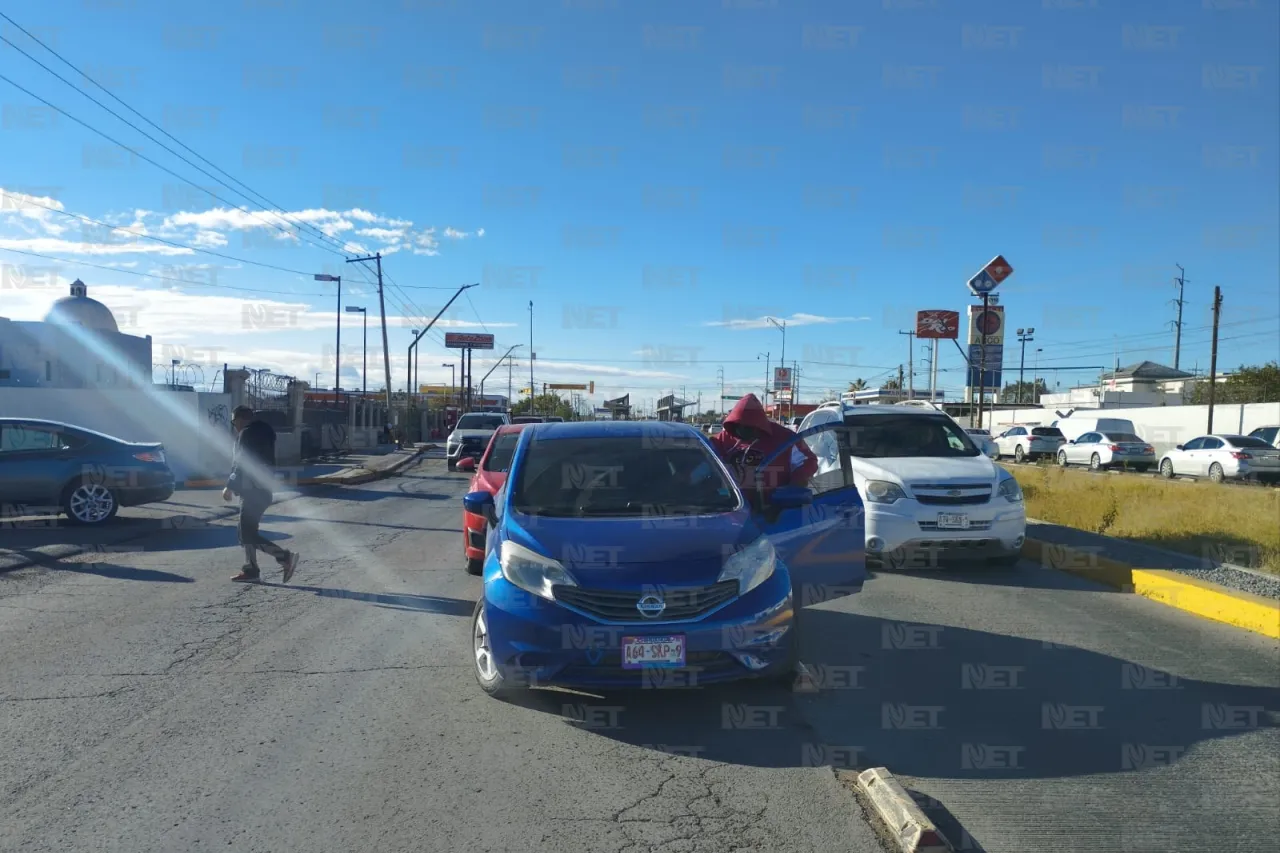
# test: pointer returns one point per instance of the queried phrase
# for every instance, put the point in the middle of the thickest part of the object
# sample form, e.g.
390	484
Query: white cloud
209	240
77	247
387	235
793	320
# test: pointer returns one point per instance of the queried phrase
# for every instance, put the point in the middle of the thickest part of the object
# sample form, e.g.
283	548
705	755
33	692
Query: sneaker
289	565
247	576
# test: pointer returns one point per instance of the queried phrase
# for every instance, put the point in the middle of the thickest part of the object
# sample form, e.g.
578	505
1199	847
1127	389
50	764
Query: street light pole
495	367
1024	335
532	355
337	352
452	383
782	327
1035	379
766	375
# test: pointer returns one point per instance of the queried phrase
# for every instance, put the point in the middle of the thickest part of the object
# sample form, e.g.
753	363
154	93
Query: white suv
471	436
1031	441
927	489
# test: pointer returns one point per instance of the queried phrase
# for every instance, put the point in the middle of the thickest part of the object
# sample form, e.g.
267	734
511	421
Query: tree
545	405
1259	384
894	384
858	384
1023	392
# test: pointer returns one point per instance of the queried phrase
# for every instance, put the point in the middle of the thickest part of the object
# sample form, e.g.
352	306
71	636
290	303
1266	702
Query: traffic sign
982	283
998	268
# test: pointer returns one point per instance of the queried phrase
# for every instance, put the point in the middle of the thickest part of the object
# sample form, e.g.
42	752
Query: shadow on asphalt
984	575
421	603
103	570
931	701
359	495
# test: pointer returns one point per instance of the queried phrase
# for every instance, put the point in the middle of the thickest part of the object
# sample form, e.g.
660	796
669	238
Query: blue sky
658	177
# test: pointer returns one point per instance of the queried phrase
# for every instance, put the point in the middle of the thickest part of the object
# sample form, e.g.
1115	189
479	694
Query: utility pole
900	379
911	364
382	311
765	399
982	361
416	338
509	372
532	356
1177	325
1213	355
1024	335
933	371
505	356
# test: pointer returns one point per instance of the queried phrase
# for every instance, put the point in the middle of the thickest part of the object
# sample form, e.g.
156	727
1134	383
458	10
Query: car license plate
641	652
951	521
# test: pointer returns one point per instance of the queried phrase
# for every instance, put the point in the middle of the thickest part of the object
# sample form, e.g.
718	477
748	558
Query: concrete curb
1207	600
336	479
908	826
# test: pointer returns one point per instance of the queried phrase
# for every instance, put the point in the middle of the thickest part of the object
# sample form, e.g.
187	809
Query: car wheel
1018	455
1215	473
451	465
488	673
1166	469
1095	463
475	566
1062	458
86	503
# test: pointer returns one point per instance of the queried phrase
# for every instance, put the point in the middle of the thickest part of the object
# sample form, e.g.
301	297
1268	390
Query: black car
84	474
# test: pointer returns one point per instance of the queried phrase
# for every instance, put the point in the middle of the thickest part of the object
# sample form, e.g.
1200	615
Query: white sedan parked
1223	457
1101	450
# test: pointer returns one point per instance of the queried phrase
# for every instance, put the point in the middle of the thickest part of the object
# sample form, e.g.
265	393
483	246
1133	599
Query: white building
1143	384
77	345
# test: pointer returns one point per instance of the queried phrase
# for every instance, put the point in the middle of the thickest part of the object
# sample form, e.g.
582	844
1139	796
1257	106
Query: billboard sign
464	340
988	323
938	325
783	395
993	376
781	378
560	387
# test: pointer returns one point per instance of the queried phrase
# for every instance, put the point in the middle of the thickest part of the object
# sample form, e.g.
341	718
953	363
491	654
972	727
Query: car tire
1215	473
1062	459
1095	462
451	465
475	566
1166	469
488	673
1018	455
88	504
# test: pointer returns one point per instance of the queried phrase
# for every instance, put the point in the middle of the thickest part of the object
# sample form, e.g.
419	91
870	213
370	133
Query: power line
153	124
159	277
477	313
160	166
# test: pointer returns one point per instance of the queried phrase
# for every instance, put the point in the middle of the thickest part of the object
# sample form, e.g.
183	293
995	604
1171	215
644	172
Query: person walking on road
252	478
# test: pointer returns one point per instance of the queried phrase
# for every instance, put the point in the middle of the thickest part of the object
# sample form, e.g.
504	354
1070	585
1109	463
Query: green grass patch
1235	524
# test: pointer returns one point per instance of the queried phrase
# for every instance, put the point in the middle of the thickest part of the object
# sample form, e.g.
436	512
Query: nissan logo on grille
651	606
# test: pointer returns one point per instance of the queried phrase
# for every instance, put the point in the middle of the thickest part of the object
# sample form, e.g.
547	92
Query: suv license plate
641	652
949	521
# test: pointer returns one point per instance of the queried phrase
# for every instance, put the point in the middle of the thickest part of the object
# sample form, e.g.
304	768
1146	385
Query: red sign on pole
463	340
939	325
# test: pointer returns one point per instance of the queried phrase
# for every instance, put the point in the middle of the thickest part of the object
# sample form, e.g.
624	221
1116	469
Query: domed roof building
78	345
79	310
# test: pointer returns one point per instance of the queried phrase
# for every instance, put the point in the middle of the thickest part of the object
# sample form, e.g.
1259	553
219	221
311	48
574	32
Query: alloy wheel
91	503
485	664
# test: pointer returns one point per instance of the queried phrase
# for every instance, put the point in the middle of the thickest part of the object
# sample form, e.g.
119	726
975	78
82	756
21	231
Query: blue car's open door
824	543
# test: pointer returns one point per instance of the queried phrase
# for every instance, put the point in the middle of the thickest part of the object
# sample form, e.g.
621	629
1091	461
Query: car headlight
533	572
884	492
751	566
1010	491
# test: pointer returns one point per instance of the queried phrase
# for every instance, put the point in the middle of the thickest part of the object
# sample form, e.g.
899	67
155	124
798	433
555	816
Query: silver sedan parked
1102	450
1223	457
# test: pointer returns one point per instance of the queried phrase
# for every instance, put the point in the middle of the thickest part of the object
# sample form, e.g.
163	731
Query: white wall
1163	426
194	427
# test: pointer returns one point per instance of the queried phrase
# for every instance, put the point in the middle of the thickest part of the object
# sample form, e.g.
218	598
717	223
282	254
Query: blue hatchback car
623	554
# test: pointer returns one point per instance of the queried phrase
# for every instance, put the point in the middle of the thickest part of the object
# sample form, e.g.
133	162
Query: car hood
614	552
918	469
459	434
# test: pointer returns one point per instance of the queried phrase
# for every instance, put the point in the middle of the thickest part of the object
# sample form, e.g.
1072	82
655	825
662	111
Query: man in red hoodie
749	437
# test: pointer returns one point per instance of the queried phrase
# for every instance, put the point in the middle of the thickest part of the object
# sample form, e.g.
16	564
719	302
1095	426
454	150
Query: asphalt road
151	705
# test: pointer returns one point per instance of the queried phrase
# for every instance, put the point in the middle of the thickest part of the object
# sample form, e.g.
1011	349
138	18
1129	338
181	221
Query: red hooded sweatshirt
792	468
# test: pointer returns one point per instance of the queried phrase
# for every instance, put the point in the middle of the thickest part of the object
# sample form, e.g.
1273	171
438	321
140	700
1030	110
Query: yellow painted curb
1208	600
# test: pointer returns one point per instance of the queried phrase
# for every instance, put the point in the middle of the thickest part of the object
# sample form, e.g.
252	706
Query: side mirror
1179	447
480	503
467	464
791	497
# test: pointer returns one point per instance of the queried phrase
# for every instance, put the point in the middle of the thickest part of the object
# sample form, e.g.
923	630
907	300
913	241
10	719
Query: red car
490	474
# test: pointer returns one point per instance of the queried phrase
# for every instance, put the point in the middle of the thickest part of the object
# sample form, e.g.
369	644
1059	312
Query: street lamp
364	367
337	352
173	371
1035	380
452	375
414	346
765	355
1024	335
781	325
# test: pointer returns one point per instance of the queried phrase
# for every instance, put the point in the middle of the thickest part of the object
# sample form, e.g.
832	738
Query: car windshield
504	447
1047	432
474	421
888	436
1126	437
621	477
1246	441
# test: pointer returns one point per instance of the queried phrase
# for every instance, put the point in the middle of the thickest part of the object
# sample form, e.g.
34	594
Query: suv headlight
533	572
751	566
1010	491
884	492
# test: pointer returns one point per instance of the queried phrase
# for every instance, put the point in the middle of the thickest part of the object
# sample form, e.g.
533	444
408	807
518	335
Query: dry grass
1235	524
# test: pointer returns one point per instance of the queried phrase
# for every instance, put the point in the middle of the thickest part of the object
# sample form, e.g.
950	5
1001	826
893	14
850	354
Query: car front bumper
907	532
539	642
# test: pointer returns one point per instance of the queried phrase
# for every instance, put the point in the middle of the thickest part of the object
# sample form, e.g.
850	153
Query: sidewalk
346	469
